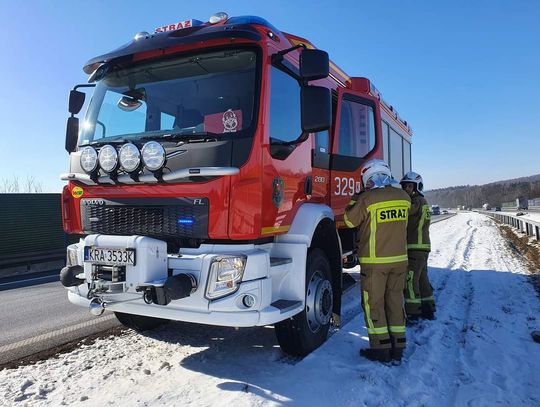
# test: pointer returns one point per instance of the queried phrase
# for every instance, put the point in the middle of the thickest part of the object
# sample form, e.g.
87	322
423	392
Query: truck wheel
305	332
139	322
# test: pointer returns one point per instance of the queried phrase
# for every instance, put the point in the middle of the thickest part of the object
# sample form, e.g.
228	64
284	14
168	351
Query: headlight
108	158
130	157
226	273
89	159
153	155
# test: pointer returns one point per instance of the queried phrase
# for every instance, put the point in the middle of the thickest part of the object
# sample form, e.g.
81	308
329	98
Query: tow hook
97	306
175	288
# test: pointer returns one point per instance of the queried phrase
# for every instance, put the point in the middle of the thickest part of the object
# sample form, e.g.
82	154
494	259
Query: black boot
428	311
397	354
377	355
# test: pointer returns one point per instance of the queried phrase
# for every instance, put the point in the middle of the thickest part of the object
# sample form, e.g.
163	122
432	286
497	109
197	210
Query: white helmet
415	178
376	174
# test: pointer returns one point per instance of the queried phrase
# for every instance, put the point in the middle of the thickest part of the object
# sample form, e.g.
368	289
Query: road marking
30	279
53	334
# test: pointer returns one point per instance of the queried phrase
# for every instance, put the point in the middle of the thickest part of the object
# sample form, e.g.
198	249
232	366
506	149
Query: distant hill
494	193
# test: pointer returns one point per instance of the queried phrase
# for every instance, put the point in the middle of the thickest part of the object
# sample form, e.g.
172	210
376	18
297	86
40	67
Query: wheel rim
319	301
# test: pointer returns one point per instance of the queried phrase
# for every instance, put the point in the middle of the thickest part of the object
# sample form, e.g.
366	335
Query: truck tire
139	322
306	331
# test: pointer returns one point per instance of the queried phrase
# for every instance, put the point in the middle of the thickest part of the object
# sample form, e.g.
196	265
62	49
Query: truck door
320	160
287	173
357	139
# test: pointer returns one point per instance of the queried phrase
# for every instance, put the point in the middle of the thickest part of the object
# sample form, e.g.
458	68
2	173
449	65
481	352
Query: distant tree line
16	185
494	194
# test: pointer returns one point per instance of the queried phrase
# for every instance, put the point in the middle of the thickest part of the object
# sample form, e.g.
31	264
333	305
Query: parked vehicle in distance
445	212
486	207
435	210
497	209
522	203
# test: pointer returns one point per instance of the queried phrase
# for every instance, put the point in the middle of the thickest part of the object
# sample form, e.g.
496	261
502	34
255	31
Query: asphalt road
438	218
36	315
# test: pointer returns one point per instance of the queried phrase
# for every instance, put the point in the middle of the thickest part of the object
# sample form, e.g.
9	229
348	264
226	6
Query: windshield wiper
183	136
103	142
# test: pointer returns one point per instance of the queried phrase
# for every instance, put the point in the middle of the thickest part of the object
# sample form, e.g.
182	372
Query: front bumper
153	266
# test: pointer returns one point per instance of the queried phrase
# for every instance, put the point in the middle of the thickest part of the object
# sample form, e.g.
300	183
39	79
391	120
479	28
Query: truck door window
321	141
396	154
386	153
284	107
406	156
356	129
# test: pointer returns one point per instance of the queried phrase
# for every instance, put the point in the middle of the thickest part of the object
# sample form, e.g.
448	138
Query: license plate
115	257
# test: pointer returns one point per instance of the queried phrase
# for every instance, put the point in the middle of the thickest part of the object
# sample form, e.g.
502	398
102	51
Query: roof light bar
141	35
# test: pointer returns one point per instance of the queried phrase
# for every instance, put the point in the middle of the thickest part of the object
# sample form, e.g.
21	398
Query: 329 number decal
346	186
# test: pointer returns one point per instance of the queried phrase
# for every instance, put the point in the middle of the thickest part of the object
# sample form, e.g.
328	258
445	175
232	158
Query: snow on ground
477	352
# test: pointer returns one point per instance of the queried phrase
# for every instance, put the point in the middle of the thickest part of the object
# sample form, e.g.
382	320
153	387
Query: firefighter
419	302
380	213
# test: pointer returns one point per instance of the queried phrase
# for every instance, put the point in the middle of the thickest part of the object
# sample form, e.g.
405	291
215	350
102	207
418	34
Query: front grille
161	218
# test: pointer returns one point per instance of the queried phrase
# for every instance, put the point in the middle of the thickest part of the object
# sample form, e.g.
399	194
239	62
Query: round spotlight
89	159
108	158
248	300
218	17
130	157
153	155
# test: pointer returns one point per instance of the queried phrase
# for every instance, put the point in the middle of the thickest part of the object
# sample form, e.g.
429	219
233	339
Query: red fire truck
209	177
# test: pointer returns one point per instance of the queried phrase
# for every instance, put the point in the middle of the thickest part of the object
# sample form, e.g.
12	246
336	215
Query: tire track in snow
499	314
443	338
462	377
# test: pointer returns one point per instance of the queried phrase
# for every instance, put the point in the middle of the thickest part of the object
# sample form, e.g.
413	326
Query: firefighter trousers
418	291
382	301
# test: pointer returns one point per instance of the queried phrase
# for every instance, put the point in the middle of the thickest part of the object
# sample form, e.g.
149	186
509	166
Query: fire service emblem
230	122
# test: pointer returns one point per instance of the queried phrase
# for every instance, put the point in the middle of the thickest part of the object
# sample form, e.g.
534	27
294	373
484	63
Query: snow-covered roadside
477	352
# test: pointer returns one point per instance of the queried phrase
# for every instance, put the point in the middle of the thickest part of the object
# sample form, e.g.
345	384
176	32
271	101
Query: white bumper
277	287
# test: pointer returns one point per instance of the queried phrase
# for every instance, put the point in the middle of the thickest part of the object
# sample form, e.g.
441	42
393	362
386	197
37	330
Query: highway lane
438	218
36	315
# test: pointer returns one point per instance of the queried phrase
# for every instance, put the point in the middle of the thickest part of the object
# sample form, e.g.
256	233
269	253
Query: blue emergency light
185	221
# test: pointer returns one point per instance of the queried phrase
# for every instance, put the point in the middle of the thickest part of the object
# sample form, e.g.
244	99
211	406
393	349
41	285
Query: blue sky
464	74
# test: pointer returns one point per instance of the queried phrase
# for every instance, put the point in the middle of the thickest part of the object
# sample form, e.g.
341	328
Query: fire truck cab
209	176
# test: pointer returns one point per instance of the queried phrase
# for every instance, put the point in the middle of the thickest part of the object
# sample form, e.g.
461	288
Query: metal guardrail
530	227
515	208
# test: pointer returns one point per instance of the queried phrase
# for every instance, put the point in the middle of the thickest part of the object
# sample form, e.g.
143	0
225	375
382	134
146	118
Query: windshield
212	92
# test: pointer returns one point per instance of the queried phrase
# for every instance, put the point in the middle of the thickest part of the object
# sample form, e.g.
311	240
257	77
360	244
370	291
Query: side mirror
314	64
316	108
76	101
72	134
